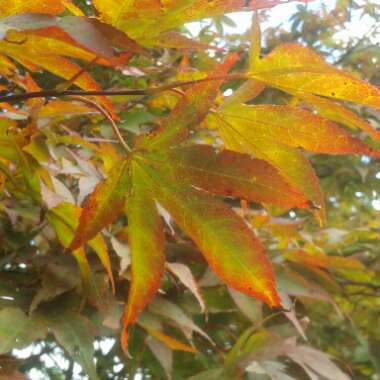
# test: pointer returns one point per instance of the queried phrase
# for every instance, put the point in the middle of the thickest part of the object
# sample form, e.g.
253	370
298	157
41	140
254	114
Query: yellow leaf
144	19
11	7
294	67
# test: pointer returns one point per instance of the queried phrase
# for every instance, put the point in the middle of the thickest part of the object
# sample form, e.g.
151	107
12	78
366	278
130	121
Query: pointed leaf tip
146	241
228	245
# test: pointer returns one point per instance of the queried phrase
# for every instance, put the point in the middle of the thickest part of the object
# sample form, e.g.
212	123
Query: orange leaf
35	51
339	114
172	343
228	245
80	32
103	205
11	7
146	241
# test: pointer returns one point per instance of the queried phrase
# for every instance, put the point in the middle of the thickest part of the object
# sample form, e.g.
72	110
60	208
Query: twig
147	91
66	85
115	129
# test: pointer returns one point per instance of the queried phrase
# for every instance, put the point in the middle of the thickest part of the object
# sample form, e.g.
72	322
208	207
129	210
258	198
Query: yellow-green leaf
189	110
295	67
294	127
146	241
143	19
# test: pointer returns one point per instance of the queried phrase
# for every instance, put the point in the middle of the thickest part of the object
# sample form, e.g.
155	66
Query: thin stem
147	91
66	85
115	129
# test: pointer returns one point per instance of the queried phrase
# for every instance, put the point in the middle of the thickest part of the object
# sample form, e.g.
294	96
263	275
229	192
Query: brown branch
147	91
115	129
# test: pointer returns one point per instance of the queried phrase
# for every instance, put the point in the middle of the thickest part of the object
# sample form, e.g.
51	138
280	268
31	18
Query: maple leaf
228	173
143	20
146	241
228	245
294	127
295	67
213	226
289	161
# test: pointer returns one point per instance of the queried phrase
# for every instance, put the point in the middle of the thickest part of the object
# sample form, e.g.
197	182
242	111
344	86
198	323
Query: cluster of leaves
174	188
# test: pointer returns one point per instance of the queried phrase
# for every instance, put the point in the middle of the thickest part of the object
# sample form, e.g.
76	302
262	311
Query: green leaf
18	330
76	334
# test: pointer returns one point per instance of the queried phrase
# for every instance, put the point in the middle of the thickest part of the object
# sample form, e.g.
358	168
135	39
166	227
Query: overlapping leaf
50	47
229	173
25	329
144	21
103	205
75	333
190	110
340	114
290	162
293	127
65	219
88	34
